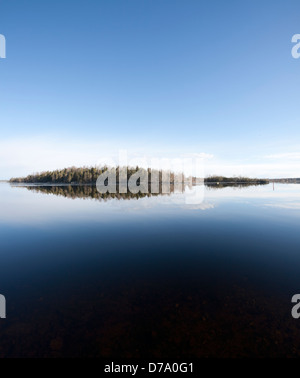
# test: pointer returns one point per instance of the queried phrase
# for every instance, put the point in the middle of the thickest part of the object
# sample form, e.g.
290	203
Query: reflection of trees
91	192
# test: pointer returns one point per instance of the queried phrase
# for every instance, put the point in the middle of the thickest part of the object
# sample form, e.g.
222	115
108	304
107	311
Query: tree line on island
90	175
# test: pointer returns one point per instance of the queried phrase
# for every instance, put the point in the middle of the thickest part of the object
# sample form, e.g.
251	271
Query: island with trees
85	175
82	176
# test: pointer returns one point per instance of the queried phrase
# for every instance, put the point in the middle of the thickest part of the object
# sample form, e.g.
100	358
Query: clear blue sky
153	76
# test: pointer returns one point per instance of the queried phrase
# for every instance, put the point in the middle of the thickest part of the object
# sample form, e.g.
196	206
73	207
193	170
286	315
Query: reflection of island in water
91	192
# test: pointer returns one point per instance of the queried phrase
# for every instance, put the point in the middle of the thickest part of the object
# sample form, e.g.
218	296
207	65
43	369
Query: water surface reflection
153	277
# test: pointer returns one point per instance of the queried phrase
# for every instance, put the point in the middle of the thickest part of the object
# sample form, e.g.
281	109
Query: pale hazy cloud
285	156
257	170
19	157
201	155
288	206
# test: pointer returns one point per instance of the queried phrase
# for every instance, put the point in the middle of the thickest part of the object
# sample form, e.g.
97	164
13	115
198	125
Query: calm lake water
150	277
